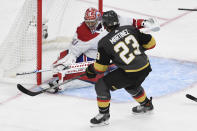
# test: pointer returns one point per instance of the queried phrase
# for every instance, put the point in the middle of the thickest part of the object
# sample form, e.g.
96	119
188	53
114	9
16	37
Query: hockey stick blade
191	97
32	93
28	92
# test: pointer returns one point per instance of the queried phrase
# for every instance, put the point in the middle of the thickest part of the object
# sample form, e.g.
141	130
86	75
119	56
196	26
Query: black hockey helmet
110	20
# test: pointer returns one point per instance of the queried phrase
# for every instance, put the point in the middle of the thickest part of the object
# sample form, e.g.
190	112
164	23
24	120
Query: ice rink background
174	74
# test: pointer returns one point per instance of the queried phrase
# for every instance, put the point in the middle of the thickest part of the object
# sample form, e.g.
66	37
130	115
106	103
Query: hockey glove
152	24
90	72
63	63
44	28
44	34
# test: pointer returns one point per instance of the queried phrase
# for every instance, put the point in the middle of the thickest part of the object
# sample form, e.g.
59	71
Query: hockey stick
191	97
187	9
43	70
32	93
32	72
75	65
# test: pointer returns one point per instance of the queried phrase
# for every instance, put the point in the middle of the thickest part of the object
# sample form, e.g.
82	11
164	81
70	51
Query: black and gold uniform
125	46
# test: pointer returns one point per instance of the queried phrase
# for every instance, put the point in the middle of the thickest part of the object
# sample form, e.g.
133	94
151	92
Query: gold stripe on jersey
150	44
99	67
136	70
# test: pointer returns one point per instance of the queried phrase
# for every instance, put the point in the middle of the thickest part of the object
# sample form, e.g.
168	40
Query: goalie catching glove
152	24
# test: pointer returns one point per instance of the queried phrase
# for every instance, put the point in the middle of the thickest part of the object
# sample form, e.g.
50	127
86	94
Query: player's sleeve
147	41
78	47
102	61
131	21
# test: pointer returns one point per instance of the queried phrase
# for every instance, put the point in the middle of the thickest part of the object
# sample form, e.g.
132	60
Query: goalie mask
92	18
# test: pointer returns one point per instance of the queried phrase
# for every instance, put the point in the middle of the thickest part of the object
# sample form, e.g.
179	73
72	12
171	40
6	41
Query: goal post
26	47
39	41
100	5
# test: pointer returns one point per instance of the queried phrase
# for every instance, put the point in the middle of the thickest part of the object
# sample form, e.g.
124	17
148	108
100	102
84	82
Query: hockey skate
148	106
53	90
100	120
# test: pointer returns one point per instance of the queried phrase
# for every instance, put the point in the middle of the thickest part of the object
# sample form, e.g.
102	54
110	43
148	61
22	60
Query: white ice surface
176	39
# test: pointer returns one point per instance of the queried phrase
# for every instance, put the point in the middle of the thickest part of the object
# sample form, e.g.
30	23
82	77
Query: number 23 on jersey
125	54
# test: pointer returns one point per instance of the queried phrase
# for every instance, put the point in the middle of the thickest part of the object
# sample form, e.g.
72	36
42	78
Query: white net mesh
20	44
18	51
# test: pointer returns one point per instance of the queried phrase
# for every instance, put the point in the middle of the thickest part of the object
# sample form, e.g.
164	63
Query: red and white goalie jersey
84	45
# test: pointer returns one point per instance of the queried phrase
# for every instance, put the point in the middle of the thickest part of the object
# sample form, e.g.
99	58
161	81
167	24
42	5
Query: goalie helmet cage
22	49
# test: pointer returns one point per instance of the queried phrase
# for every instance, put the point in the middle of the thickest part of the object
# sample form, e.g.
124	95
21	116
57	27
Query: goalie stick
43	70
32	72
80	65
191	97
32	93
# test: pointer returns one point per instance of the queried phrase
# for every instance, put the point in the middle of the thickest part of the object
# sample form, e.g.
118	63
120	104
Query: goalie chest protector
84	33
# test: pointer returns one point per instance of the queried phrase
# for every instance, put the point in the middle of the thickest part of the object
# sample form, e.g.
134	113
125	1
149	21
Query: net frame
39	36
25	50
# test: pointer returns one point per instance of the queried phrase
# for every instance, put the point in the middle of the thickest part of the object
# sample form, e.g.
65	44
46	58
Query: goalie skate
51	84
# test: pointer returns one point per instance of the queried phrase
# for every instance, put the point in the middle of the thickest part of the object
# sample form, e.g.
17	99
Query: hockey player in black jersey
125	46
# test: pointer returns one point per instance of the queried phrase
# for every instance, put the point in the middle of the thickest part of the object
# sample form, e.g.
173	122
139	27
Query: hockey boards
191	97
41	90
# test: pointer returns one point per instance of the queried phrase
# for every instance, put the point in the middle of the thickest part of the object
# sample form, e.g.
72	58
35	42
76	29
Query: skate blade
143	113
100	124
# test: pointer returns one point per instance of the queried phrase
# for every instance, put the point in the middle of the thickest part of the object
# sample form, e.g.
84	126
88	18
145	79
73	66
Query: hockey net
25	48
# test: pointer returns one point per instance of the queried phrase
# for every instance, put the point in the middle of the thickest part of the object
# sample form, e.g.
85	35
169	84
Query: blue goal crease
168	76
